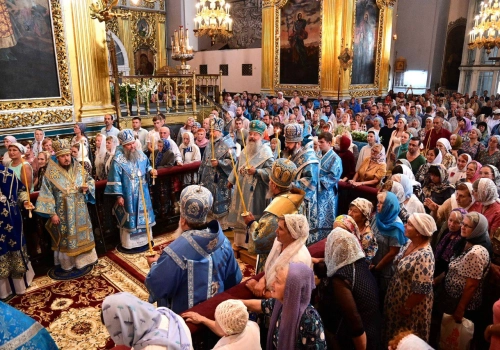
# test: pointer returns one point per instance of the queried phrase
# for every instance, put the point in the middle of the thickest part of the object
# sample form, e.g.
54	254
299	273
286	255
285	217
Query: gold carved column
268	44
161	55
88	57
386	50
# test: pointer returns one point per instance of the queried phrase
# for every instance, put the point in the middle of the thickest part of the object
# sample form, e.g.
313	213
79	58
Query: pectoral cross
6	173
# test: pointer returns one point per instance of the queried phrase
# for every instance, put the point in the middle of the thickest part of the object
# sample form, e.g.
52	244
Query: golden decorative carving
360	90
149	39
65	98
386	3
112	25
162	5
307	90
102	11
267	3
35	118
144	3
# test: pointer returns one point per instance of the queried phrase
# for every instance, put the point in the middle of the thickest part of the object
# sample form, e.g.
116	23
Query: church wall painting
366	24
300	40
28	61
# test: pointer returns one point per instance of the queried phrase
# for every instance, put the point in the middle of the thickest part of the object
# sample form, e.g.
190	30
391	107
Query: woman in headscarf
437	189
398	190
403	147
360	210
473	146
365	152
76	151
445	243
201	140
344	125
408	303
139	325
372	169
405	168
108	148
190	153
463	284
19	166
428	127
347	157
463	128
433	157
411	202
486	193
7	141
491	155
445	149
456	144
349	305
489	171
458	172
289	246
164	158
378	123
389	232
295	323
472	172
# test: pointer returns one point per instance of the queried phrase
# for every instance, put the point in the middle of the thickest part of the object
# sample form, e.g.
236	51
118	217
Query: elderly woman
138	324
164	157
190	153
463	128
365	152
349	306
491	155
372	169
428	127
434	157
408	303
445	148
231	323
458	172
491	172
472	172
378	123
437	189
486	193
295	323
396	188
474	146
289	246
456	144
360	210
411	203
445	243
463	284
389	232
344	125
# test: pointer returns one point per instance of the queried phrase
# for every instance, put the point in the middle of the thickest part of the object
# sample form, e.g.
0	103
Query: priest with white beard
254	167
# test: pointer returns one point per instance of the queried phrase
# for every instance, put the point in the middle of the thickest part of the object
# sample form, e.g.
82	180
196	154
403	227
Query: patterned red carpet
70	310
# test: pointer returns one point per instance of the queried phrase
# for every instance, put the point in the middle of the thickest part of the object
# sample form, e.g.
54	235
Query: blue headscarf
159	156
135	323
387	221
377	138
406	183
381	121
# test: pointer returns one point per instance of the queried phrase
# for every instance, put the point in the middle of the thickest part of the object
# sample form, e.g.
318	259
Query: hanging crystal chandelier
486	30
213	19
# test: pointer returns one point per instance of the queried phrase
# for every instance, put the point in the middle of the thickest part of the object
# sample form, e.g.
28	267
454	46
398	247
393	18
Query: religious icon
365	42
143	28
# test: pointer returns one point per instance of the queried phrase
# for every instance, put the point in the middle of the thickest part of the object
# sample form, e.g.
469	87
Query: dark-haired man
413	155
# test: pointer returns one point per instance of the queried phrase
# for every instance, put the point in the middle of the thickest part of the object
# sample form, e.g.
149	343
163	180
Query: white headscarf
412	342
114	144
453	198
424	223
438	159
399	191
446	144
487	192
342	249
299	230
82	148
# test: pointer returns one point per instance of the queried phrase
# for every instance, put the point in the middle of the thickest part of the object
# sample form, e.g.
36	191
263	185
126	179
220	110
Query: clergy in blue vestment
253	166
16	272
329	174
128	165
216	167
307	176
20	331
199	263
63	198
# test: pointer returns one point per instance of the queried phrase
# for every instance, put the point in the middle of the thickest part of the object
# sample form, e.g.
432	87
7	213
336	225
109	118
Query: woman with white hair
409	298
289	246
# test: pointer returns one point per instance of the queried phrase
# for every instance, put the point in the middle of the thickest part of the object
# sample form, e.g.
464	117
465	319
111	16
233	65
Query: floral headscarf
486	192
431	187
379	158
466	128
341	249
347	223
478	169
365	207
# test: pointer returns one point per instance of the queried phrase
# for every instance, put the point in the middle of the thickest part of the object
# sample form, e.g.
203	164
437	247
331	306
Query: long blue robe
13	253
196	266
307	179
215	179
329	175
19	331
124	181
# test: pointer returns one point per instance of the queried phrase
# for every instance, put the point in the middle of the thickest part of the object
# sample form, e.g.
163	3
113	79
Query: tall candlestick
27	187
212	137
83	164
278	142
245	147
154	160
146	218
245	212
126	97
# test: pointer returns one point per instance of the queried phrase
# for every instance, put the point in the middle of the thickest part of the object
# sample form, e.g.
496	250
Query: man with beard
199	263
307	175
63	198
127	166
285	200
216	167
253	169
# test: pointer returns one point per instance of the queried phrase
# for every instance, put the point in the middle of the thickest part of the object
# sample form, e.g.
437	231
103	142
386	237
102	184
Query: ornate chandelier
486	30
213	19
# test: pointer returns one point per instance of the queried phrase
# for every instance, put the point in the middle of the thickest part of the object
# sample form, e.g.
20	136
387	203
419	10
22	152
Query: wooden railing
106	233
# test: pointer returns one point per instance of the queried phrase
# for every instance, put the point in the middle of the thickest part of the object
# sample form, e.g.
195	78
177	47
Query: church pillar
268	46
88	57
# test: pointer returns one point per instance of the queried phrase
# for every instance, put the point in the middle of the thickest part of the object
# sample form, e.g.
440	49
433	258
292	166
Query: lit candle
212	122
83	164
244	146
144	208
27	188
245	212
230	25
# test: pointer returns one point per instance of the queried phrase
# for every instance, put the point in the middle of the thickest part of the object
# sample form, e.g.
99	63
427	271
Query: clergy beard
253	147
131	155
269	194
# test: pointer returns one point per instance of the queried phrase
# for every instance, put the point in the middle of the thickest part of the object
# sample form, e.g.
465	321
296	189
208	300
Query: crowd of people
270	170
